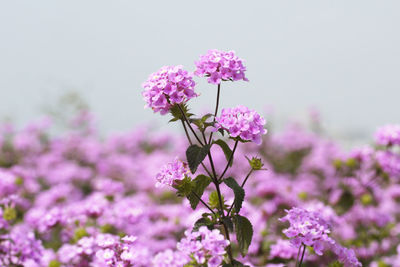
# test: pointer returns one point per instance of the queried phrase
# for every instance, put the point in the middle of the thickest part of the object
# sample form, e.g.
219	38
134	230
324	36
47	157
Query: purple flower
346	256
176	170
308	228
283	249
220	66
241	122
205	246
169	258
389	162
168	86
388	135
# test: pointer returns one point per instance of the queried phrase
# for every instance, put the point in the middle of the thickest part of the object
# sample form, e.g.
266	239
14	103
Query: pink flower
220	66
388	135
241	122
176	170
168	86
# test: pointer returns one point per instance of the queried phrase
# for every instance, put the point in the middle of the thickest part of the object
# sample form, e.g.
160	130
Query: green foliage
200	183
202	123
184	187
225	148
228	222
177	114
383	264
288	162
345	202
255	163
336	264
79	233
54	263
195	156
9	214
367	199
244	233
238	192
213	200
204	221
108	228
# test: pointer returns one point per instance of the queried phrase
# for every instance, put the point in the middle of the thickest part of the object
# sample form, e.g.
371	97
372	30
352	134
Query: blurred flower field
63	197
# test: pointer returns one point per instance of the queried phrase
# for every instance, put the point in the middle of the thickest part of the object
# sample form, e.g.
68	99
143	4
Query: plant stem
190	142
298	255
247	177
216	110
190	126
229	161
204	203
302	256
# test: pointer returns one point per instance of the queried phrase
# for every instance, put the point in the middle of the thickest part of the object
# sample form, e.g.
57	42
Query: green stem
190	142
190	126
216	110
302	256
229	161
204	203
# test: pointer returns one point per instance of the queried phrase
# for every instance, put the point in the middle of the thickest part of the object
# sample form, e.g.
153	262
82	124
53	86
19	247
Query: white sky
340	56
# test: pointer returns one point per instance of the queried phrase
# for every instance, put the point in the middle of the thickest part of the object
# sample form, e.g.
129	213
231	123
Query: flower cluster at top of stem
309	228
241	122
220	66
168	86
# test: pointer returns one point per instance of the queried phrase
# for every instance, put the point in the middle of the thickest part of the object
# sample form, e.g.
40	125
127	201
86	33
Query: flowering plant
240	124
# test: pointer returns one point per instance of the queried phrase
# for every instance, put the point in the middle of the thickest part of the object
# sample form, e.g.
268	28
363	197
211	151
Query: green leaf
345	202
237	190
204	221
54	263
200	184
227	151
244	233
335	264
195	155
228	222
213	200
184	187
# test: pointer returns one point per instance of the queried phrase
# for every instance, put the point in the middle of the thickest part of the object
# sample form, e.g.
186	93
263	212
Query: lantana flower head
171	172
241	122
388	135
308	228
169	86
205	246
220	66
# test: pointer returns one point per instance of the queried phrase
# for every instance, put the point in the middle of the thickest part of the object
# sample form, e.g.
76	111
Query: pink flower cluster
168	86
73	194
388	135
389	162
220	66
241	122
175	170
103	250
310	229
205	246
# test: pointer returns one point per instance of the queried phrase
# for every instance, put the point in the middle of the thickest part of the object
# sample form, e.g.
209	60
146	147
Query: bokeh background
341	57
